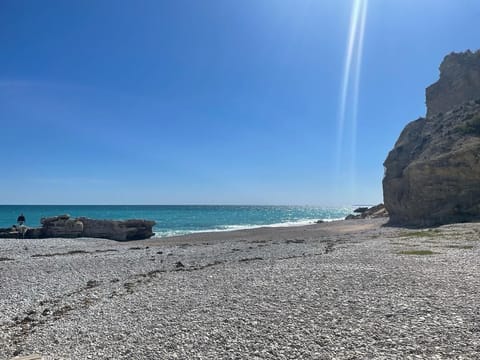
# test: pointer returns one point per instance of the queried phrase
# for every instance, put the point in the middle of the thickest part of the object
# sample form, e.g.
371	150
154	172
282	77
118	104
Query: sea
174	220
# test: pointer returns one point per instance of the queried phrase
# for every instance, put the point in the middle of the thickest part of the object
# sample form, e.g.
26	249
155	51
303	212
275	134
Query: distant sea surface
181	219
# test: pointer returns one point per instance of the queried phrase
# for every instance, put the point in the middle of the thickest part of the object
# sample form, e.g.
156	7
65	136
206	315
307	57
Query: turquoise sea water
180	219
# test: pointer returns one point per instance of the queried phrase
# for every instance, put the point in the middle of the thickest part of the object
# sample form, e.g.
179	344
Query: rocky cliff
432	175
459	82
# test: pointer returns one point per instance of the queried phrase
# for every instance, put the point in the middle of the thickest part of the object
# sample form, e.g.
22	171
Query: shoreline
230	228
174	220
351	288
269	233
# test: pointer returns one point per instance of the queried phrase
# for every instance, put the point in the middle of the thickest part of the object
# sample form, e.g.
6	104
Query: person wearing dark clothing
21	219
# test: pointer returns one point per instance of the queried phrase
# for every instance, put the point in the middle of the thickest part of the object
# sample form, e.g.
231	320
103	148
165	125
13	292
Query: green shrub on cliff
471	127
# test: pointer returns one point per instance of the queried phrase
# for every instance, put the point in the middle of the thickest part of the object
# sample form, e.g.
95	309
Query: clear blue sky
211	102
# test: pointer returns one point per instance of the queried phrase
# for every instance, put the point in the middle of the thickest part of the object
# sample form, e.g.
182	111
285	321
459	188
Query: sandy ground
342	290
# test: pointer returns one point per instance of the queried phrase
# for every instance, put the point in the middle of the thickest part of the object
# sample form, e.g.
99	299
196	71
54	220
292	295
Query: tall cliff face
459	82
432	175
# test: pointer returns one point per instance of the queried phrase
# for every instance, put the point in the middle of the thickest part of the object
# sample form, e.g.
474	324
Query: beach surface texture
342	290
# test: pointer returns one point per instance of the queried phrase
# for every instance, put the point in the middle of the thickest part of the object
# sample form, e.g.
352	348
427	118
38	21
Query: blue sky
212	102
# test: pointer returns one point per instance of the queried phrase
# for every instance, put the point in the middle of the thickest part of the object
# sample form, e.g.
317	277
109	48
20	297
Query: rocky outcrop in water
64	226
432	175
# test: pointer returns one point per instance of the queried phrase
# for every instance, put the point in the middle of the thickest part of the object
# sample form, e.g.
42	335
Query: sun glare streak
347	73
350	87
356	83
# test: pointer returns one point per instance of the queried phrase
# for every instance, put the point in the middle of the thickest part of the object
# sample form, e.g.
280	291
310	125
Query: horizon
213	103
193	205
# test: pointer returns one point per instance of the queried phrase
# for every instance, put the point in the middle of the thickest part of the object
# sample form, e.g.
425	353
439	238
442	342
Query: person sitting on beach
21	219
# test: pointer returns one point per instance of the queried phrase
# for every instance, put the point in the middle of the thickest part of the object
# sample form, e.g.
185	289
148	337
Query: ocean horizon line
200	204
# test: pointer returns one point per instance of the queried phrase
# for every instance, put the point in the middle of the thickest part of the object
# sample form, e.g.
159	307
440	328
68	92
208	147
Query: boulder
432	175
373	212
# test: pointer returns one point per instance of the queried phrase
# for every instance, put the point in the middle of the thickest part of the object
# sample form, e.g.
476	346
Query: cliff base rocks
374	212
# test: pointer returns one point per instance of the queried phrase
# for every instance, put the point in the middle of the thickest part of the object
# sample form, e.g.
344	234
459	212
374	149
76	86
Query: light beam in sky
350	86
356	82
348	67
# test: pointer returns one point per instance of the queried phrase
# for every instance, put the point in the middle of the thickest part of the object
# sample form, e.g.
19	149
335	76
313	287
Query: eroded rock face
374	212
432	175
67	227
459	82
61	226
117	230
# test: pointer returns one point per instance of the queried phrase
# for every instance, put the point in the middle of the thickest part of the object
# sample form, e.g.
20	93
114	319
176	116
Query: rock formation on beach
64	226
432	175
374	212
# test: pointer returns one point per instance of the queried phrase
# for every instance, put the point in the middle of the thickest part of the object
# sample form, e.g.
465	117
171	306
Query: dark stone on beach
17	352
251	259
360	210
432	175
319	222
179	265
92	283
295	241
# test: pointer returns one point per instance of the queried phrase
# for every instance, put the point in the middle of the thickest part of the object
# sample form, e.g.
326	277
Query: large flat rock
64	226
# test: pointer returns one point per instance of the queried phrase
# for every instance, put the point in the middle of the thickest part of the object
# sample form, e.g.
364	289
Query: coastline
341	289
180	219
230	228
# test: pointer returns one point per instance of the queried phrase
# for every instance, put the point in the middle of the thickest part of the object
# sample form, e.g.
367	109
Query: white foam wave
227	228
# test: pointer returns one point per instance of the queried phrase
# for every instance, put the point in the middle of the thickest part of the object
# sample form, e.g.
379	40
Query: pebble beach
352	289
